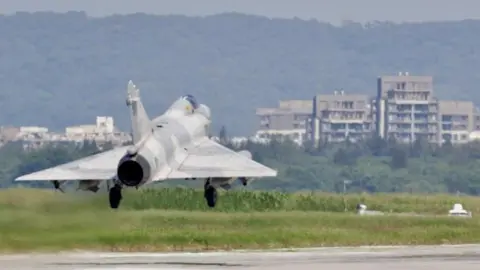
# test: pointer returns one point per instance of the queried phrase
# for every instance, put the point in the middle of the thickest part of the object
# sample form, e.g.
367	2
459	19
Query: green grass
47	221
260	201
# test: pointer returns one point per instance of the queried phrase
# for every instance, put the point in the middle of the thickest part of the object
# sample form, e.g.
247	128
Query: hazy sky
333	11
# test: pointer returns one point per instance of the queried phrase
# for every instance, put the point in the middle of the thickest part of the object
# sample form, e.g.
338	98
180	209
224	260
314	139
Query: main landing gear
115	196
210	193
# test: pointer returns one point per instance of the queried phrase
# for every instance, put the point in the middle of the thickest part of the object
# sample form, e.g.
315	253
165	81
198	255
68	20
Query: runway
464	257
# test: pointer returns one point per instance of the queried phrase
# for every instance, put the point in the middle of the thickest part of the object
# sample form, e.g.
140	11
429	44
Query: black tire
115	196
211	196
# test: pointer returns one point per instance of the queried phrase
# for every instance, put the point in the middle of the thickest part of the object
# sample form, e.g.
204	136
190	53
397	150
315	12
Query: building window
446	118
298	117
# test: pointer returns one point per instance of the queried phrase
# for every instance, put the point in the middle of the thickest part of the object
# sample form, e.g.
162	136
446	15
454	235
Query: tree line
372	165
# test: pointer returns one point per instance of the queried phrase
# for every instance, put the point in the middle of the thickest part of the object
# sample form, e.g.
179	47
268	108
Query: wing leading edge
205	159
210	159
101	166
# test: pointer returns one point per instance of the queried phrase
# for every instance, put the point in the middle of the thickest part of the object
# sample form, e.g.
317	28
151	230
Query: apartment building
458	120
338	116
287	120
406	109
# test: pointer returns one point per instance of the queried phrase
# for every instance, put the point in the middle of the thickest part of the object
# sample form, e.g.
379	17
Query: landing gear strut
57	185
115	196
210	194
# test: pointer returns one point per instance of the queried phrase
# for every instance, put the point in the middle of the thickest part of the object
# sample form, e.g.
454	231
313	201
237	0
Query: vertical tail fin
140	120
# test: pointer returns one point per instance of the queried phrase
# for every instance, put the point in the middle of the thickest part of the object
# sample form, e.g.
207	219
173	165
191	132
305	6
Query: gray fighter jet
175	145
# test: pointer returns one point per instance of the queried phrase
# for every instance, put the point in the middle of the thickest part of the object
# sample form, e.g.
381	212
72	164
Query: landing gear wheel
115	196
210	195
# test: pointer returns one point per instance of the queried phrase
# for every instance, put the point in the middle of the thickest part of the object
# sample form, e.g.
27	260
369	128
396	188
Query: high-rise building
405	108
339	116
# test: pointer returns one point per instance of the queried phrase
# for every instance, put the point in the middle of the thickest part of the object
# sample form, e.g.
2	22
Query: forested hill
64	69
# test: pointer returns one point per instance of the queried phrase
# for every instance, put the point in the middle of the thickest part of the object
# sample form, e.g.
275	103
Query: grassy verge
48	221
157	230
256	201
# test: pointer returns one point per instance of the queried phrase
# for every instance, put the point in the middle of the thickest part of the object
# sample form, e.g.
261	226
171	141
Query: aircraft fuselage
153	157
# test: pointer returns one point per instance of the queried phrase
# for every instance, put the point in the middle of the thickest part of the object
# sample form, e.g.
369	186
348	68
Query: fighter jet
174	145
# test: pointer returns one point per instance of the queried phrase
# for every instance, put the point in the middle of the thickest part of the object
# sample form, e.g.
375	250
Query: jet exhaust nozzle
130	173
134	171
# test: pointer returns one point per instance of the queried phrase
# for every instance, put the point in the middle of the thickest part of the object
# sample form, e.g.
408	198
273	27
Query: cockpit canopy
192	100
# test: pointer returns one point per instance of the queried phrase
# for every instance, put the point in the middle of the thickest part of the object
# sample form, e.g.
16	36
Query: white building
104	125
33	129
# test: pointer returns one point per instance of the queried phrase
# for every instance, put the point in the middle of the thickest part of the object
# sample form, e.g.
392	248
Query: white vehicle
458	211
362	210
175	145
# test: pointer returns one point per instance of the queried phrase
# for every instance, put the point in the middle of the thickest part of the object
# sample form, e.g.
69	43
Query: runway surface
464	257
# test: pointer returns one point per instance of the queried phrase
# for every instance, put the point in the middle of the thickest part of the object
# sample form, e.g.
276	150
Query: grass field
261	201
176	219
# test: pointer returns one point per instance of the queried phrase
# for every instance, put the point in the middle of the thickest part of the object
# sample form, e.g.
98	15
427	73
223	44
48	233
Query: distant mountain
64	69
